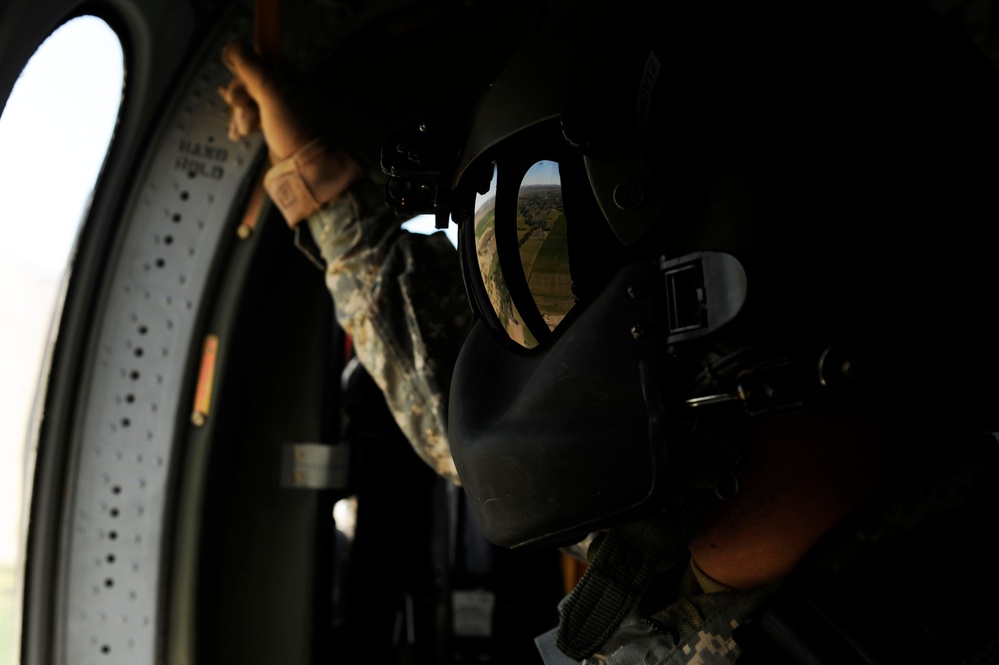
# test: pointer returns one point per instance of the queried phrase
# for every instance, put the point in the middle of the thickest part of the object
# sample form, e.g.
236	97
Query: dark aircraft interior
164	534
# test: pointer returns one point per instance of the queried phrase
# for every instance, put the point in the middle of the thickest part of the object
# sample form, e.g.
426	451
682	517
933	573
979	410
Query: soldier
708	328
732	298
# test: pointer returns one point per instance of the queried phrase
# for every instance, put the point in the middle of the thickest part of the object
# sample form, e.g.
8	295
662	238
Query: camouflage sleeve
401	298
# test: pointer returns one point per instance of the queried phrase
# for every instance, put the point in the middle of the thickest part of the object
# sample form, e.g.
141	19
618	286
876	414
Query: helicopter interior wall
262	580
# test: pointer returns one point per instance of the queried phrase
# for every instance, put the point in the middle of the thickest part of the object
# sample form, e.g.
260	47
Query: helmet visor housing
534	243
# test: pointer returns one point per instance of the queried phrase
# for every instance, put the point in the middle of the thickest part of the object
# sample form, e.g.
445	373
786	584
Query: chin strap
620	569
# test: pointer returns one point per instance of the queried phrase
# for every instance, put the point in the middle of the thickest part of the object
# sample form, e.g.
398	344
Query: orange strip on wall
206	381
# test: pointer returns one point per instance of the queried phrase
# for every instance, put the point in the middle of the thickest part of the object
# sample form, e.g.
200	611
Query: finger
238	96
232	52
244	121
244	114
234	94
248	67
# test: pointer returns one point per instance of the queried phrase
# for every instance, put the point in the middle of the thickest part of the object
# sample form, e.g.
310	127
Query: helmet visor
524	267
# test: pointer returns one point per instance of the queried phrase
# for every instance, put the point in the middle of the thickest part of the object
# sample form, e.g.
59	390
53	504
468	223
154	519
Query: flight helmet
674	221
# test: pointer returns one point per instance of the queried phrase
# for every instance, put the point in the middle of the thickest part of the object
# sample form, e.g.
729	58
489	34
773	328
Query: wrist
309	179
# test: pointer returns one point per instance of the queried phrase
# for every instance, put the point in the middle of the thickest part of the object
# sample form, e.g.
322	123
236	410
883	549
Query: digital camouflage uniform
400	296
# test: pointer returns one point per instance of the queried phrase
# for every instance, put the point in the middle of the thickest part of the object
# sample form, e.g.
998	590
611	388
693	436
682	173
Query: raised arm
399	295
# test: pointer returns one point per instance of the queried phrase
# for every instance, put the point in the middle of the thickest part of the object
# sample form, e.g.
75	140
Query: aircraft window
54	134
426	224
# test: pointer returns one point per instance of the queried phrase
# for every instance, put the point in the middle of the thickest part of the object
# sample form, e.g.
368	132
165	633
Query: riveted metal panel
137	400
133	411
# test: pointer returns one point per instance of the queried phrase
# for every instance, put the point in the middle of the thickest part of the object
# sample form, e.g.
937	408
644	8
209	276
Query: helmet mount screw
637	331
629	194
634	291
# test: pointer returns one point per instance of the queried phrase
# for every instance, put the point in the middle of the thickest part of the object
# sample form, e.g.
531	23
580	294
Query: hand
306	172
262	97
